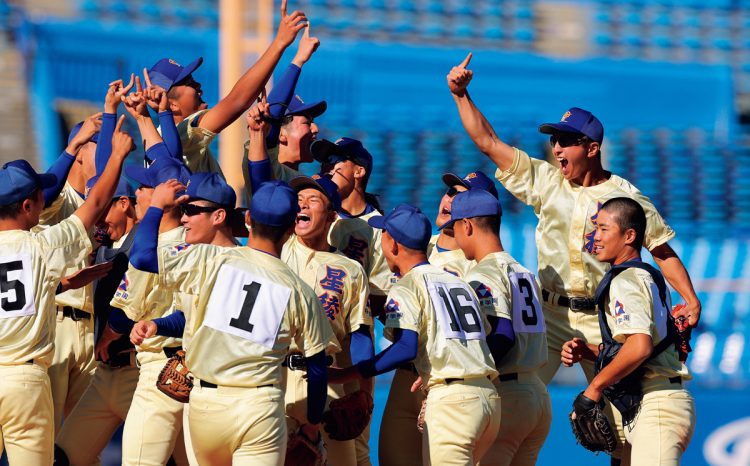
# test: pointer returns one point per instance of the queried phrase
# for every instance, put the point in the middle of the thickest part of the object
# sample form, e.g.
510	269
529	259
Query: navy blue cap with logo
407	225
325	151
167	72
297	106
473	203
162	170
123	188
211	187
320	183
274	204
19	180
474	180
576	120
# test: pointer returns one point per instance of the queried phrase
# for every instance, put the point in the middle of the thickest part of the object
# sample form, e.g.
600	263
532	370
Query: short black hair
271	233
628	214
490	223
11	211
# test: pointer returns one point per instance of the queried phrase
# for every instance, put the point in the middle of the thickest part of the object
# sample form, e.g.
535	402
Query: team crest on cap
565	116
470	176
173	62
339	140
299	99
315	177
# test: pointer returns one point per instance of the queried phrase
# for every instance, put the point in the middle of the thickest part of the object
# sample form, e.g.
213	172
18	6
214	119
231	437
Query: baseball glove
590	426
348	416
420	418
301	451
174	379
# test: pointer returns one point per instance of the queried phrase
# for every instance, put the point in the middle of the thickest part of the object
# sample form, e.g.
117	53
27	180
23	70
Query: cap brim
449	223
451	179
552	128
377	222
188	70
313	110
322	149
138	174
47	180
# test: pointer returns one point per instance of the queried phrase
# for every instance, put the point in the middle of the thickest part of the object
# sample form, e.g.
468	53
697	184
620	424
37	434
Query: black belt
205	384
74	314
171	351
574	304
409	366
677	379
508	377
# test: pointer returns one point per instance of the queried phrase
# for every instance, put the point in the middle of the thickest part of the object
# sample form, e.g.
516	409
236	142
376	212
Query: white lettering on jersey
16	286
457	311
246	305
527	312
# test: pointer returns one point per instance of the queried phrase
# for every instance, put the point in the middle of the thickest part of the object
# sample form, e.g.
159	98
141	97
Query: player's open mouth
445	211
563	164
303	220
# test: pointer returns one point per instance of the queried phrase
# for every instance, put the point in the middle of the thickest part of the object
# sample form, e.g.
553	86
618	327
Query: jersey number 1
242	321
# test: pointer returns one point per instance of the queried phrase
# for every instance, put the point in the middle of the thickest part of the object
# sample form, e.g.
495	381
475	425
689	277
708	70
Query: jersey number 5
6	286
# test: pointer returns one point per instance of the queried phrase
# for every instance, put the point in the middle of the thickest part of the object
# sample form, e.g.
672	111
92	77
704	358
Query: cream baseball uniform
664	426
196	142
341	286
279	170
31	266
399	442
251	307
565	237
100	411
508	291
462	414
154	421
73	364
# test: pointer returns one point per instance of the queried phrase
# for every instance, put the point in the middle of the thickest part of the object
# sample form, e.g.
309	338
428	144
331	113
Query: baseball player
636	305
341	286
105	403
154	421
197	125
567	201
509	297
236	353
31	267
433	318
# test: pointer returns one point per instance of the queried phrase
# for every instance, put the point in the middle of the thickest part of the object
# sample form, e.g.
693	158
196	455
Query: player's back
31	266
506	289
250	308
450	326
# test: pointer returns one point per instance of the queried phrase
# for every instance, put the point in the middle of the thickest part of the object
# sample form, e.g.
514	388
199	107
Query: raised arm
475	124
258	165
246	90
137	105
675	273
116	91
158	101
101	194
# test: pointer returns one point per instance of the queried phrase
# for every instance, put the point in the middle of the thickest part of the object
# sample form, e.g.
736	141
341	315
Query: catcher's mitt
590	426
348	416
174	379
301	451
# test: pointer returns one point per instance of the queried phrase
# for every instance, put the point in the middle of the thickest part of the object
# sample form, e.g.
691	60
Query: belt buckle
73	315
580	304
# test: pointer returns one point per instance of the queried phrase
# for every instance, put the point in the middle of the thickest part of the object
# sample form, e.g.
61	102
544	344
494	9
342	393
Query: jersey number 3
527	311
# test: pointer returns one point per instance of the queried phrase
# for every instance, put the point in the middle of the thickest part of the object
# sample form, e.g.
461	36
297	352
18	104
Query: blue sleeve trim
172	325
104	143
170	135
317	387
501	339
260	172
403	350
143	255
279	98
361	346
60	169
119	322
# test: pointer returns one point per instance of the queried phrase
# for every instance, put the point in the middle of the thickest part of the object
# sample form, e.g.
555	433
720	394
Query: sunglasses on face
566	140
192	209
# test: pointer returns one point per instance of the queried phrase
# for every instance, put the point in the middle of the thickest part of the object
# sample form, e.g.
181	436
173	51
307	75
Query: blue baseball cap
325	151
321	183
474	180
74	131
274	204
407	225
167	72
576	120
211	187
19	180
473	203
162	170
123	188
297	106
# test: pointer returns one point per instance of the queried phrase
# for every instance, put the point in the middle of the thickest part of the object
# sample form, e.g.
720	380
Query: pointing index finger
138	86
146	78
306	34
283	8
119	123
466	61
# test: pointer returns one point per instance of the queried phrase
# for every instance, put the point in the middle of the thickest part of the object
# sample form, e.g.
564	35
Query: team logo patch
173	62
124	284
392	310
588	244
620	315
484	293
179	248
470	176
565	116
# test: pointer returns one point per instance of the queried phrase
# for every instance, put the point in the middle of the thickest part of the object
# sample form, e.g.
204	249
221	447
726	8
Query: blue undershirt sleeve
143	254
317	387
60	169
260	172
501	339
119	322
170	135
172	325
403	350
361	347
279	98
104	143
